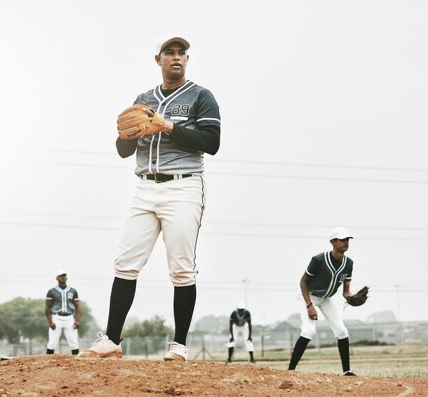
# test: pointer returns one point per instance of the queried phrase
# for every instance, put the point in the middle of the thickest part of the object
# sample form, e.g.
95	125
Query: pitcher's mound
58	375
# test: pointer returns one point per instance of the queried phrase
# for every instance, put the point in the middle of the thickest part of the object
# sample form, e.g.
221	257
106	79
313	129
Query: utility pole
245	282
397	292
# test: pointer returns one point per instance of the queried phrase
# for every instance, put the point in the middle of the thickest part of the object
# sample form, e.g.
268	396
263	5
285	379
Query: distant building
287	332
415	332
284	334
386	330
386	316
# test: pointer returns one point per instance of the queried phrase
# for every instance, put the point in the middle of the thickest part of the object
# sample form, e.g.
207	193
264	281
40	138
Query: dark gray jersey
240	319
62	300
190	106
326	274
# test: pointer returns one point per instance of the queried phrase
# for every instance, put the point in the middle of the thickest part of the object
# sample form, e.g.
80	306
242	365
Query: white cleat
103	347
176	352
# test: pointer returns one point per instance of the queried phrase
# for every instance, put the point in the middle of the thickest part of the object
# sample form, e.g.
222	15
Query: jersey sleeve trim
48	298
208	119
309	274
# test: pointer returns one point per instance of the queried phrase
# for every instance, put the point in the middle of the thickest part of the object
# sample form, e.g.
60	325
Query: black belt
63	314
159	178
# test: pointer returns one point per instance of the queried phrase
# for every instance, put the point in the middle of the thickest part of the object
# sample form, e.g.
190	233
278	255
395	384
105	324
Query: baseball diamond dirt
60	375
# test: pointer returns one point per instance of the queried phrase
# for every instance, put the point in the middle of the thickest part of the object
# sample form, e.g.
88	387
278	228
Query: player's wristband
308	305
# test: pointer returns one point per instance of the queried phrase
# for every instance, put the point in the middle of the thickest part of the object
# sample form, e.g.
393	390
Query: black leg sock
184	303
252	356
50	351
121	298
75	352
298	351
230	353
343	345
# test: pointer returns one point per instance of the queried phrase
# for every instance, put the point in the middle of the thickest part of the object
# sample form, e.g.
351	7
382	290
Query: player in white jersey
63	314
169	196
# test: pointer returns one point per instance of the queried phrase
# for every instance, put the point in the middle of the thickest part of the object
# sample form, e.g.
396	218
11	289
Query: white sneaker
176	352
103	347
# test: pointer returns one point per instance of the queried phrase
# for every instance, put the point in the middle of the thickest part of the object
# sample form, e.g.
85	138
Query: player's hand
231	338
250	338
76	324
52	325
168	126
312	313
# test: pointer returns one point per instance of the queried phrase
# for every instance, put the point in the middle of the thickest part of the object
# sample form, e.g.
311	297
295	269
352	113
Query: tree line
24	319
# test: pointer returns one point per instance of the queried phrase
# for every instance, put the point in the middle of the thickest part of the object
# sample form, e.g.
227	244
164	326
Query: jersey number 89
180	110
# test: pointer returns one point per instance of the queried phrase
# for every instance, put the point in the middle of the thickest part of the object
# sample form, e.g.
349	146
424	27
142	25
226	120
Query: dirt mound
68	376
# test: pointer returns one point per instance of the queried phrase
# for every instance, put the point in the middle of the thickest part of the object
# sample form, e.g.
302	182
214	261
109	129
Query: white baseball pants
244	332
66	324
176	208
331	313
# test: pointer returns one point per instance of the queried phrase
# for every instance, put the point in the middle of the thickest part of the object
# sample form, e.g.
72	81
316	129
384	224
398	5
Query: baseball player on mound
323	277
240	324
62	304
169	127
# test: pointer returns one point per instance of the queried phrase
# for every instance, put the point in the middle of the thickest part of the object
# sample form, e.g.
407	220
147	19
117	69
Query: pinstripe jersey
190	106
325	278
62	299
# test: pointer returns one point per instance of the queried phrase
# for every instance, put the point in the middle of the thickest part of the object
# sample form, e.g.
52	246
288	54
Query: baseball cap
340	233
60	272
166	40
240	305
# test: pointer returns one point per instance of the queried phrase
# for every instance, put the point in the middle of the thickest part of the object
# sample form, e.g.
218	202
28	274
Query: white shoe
103	347
176	352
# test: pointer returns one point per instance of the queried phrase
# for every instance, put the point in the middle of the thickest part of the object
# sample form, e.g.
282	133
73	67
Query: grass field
385	361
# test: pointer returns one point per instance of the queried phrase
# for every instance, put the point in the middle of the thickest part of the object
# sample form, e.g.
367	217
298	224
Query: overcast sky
324	123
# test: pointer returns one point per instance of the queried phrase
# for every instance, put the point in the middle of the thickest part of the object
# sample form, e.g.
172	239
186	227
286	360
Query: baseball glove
138	121
359	298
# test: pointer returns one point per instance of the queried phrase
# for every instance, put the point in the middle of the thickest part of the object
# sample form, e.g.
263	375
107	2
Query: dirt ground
59	375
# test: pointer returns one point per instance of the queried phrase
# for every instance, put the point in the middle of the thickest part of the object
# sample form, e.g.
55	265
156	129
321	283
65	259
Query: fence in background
269	342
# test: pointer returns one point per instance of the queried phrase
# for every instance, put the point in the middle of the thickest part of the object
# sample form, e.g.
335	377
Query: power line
141	285
274	130
312	237
62	163
60	214
234	161
296	225
222	234
58	150
234	284
315	165
317	178
247	175
341	128
59	226
220	223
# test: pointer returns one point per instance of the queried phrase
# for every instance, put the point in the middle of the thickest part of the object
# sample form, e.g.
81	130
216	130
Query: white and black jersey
240	319
62	300
326	274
